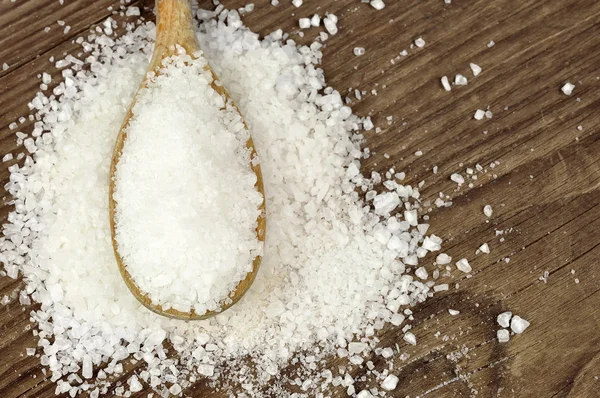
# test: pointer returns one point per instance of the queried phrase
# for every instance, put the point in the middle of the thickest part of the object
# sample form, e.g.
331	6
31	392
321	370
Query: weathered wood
545	189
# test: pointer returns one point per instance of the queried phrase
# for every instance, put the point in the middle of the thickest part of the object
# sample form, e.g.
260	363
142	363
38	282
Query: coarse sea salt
333	264
186	203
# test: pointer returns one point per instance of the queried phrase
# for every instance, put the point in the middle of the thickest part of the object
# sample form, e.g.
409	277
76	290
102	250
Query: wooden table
544	188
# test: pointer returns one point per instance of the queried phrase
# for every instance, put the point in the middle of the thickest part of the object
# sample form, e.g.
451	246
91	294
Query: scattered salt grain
567	89
476	69
491	44
488	211
443	259
463	265
315	20
410	338
479	114
460	80
132	11
390	383
377	4
484	248
457	178
446	83
503	336
297	3
5	66
304	23
421	273
420	42
504	319
330	23
518	324
358	51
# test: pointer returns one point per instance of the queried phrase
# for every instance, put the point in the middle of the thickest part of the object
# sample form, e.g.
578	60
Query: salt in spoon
174	28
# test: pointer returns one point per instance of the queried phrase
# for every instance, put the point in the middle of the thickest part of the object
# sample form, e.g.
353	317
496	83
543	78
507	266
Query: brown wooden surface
545	190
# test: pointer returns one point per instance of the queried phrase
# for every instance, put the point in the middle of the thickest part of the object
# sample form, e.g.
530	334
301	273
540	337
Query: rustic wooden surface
544	191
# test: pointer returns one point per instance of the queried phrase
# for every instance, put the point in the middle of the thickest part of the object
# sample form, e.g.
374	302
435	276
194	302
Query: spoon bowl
175	28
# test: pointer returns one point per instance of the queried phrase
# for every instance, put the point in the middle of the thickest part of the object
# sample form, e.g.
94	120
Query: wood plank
545	189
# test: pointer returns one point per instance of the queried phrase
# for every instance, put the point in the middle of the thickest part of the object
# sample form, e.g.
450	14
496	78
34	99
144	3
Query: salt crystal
359	51
315	20
387	352
443	259
377	4
410	338
421	273
460	80
479	114
453	312
304	23
463	265
476	69
297	3
390	383
567	89
484	248
446	83
134	384
419	42
518	324
132	11
488	211
503	336
457	178
504	319
330	23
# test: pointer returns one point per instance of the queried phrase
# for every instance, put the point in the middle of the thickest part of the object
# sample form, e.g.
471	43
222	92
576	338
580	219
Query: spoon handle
174	26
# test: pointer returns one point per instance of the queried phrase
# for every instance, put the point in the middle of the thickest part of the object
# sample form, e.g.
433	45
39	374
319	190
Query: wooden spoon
175	27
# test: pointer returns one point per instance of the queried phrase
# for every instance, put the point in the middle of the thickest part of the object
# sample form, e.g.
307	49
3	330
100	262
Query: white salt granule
315	20
484	248
476	69
297	3
488	211
377	4
421	273
304	23
443	259
503	336
518	324
460	80
330	23
463	265
202	228
5	66
479	114
453	312
568	88
132	11
358	51
410	338
491	44
457	178
390	383
504	319
419	42
446	83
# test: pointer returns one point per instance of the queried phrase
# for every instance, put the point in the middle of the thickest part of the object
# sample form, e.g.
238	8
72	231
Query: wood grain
544	188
